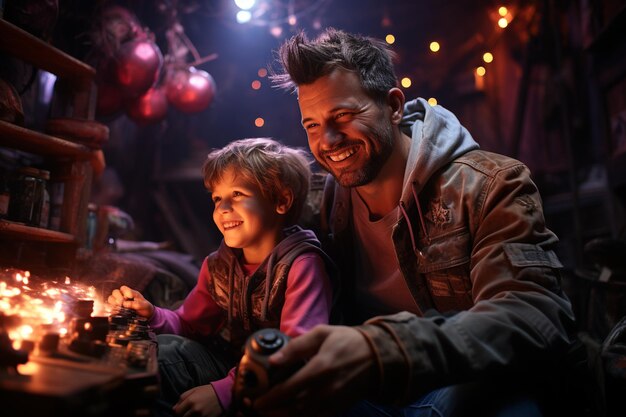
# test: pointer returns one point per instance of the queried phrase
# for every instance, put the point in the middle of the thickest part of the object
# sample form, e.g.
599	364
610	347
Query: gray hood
437	138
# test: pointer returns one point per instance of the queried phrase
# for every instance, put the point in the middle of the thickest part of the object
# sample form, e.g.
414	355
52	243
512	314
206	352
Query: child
267	272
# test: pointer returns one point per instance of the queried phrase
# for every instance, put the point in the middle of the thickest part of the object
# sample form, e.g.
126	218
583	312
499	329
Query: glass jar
27	196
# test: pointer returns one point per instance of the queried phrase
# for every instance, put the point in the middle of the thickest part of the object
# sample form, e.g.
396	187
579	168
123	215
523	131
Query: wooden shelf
33	50
23	232
35	142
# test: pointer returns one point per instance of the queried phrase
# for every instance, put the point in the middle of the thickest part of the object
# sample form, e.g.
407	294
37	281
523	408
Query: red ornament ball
190	90
136	66
148	108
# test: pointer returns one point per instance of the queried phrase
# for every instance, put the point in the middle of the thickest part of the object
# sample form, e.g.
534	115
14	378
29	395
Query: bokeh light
405	82
480	71
256	84
434	46
432	101
488	57
259	122
390	39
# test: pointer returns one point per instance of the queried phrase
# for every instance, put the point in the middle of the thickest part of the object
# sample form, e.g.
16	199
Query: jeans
470	399
185	364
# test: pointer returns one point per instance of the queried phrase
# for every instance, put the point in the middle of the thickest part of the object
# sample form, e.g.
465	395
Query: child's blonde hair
271	165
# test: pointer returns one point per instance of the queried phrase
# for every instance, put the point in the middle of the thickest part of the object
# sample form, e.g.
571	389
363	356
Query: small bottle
27	196
45	203
5	195
57	192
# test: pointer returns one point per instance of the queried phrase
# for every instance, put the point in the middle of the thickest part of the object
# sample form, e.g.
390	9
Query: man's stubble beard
367	173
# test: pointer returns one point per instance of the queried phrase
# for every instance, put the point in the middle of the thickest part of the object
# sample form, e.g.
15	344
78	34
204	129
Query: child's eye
216	199
237	193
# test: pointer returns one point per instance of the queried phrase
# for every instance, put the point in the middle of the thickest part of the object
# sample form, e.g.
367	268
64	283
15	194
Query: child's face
245	218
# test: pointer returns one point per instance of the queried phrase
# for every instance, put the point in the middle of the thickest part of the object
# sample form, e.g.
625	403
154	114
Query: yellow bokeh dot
390	39
502	11
259	122
480	71
502	22
488	57
405	82
434	46
432	101
256	84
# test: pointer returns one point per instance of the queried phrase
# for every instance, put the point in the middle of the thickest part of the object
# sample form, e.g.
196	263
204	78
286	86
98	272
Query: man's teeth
229	225
340	157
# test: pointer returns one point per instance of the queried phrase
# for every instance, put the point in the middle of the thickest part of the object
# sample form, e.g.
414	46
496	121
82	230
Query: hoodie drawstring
268	285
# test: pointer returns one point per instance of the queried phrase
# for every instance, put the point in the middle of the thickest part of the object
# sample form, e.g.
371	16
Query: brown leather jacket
475	252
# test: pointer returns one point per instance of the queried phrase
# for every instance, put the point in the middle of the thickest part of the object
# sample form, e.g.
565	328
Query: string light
405	82
390	39
502	11
502	22
259	122
480	71
434	46
262	72
256	84
432	101
488	57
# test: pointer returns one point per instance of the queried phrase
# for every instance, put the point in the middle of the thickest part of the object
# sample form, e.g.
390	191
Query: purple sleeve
308	296
199	315
224	389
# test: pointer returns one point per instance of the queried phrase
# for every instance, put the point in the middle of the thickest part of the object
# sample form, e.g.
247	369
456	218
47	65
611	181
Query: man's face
349	134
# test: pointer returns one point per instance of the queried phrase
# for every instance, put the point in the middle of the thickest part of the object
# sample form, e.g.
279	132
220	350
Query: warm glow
432	101
256	84
276	31
434	46
292	20
390	39
262	72
480	71
405	82
502	11
259	122
487	57
502	22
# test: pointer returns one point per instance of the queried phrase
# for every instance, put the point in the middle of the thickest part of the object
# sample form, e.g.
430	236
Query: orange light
390	39
432	101
502	11
502	22
480	71
256	84
488	57
434	46
262	72
259	122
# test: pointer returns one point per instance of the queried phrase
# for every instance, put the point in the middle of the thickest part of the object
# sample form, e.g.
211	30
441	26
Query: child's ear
284	202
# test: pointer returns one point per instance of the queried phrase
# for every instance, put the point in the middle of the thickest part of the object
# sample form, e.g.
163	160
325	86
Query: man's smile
344	154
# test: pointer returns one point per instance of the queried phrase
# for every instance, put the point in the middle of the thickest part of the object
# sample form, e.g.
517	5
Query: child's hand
128	298
199	401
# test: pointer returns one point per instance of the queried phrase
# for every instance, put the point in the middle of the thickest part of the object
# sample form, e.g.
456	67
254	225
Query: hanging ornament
189	90
148	108
136	66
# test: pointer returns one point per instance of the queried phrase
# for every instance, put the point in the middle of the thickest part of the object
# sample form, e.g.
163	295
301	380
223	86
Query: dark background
553	97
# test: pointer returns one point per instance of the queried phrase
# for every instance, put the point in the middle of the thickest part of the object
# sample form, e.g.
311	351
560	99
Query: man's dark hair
304	61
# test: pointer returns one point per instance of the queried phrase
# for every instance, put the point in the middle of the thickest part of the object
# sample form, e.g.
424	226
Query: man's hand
341	370
128	298
199	401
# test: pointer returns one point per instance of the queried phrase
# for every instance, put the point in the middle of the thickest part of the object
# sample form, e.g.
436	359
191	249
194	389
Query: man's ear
284	202
395	99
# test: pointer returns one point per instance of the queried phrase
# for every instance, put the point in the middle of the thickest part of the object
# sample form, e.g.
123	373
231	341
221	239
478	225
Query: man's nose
331	136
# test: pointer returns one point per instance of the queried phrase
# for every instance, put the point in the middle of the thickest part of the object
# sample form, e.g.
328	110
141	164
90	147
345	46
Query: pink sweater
308	301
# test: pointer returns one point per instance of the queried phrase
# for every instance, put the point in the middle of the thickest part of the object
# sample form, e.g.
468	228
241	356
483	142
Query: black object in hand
254	374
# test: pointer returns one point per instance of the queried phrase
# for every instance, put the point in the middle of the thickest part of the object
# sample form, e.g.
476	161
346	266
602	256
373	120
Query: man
425	225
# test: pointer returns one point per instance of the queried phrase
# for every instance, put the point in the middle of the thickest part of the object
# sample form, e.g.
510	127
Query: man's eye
310	126
340	115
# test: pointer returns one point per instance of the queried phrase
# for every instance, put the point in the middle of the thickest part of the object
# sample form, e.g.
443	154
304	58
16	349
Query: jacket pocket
445	264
